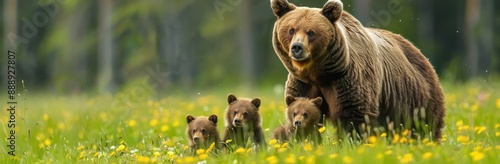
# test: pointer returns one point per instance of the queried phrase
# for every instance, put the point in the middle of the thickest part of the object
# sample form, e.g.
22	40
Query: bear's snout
297	51
196	139
237	122
297	123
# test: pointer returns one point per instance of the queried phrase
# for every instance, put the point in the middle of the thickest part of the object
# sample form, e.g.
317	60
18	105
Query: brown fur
245	111
359	72
303	116
203	128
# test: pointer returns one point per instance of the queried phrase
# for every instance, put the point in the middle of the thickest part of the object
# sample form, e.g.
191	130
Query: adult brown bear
368	77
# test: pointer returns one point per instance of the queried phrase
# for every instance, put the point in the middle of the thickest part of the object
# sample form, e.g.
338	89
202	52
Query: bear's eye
245	114
194	130
305	115
203	131
310	33
294	114
292	31
235	112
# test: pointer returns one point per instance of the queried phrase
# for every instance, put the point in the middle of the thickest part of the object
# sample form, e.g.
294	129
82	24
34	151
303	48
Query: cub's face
201	129
303	112
241	113
304	33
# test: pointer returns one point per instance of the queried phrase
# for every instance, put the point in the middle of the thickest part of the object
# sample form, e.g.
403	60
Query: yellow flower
333	156
476	155
80	147
405	132
498	103
185	147
459	123
120	148
211	147
347	159
427	155
47	142
229	141
290	159
272	159
164	128
240	151
407	158
203	156
311	159
463	139
156	154
497	126
281	150
273	141
45	117
497	134
388	152
176	123
479	129
96	154
276	146
322	129
153	122
395	139
285	145
112	153
383	135
372	139
200	151
131	123
308	147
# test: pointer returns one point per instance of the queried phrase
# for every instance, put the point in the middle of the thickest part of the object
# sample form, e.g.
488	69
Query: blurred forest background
75	46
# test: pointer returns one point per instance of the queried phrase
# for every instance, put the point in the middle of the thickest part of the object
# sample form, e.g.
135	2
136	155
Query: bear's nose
297	49
297	123
196	139
237	121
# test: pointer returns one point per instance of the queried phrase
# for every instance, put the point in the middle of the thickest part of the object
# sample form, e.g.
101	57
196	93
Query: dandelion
164	128
131	123
276	146
45	117
383	135
379	156
176	123
281	150
347	159
96	154
156	154
474	107
497	134
143	159
498	103
47	142
120	148
272	142
200	151
322	129
497	126
311	159
479	129
427	155
407	158
170	154
333	156
285	145
240	151
290	159
476	155
81	147
229	141
388	152
153	122
459	123
272	159
112	153
203	156
308	147
185	147
395	139
463	139
405	133
372	139
211	147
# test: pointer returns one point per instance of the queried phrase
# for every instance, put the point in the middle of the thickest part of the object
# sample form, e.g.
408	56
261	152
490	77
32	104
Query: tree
106	77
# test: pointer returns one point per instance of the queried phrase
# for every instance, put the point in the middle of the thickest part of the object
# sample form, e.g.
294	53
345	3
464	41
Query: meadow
147	127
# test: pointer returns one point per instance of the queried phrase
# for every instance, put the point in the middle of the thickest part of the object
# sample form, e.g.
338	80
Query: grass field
142	127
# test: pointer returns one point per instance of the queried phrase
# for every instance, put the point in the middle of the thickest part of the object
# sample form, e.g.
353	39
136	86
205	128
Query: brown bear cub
243	121
367	77
303	116
202	132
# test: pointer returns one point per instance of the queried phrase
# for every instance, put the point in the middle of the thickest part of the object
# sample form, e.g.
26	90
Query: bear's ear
231	98
317	101
332	10
289	100
213	118
189	118
281	7
256	102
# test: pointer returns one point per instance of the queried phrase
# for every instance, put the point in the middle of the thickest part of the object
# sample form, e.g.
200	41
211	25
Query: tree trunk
425	24
106	79
486	36
472	15
246	42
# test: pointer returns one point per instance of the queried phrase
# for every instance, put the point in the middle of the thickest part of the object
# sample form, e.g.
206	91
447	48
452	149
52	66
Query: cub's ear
317	101
256	102
213	118
289	100
231	98
332	10
281	7
189	118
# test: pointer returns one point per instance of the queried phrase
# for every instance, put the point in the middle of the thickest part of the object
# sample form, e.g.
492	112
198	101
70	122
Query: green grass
130	127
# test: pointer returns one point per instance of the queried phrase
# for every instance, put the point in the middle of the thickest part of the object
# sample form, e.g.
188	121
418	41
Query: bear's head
303	36
202	131
303	112
242	112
